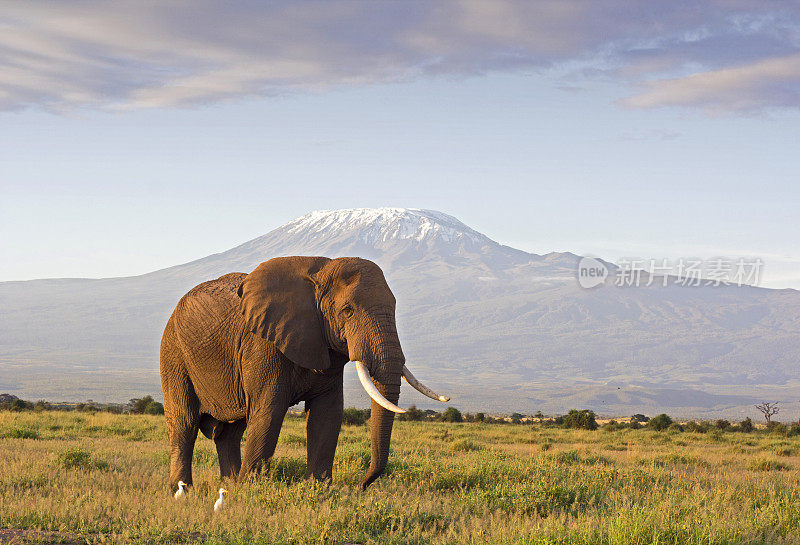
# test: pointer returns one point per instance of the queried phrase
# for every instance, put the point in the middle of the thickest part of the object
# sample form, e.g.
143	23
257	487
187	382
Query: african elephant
238	351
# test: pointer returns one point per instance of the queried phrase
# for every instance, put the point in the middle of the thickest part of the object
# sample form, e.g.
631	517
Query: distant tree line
584	419
144	405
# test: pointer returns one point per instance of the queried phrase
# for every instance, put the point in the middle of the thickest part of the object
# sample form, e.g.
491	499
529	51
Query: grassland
103	478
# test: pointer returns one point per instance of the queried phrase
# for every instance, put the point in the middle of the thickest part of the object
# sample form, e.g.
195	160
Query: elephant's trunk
381	357
381	420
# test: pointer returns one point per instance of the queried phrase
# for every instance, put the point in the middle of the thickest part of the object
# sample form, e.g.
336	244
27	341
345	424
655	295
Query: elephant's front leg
324	420
264	420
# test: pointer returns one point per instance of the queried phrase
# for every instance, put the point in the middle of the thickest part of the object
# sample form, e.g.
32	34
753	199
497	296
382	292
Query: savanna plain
73	477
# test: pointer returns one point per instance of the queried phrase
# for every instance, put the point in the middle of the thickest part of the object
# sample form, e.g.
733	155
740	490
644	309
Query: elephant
238	351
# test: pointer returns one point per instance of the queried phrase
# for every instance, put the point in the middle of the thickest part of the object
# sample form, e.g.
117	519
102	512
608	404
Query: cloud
750	88
143	53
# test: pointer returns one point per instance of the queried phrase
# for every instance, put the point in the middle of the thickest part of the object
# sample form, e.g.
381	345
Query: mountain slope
498	328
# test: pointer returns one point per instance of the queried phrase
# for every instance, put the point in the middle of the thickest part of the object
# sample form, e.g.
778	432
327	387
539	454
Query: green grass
103	477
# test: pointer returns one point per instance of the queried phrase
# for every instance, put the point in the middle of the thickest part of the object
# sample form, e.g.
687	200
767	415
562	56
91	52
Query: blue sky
135	138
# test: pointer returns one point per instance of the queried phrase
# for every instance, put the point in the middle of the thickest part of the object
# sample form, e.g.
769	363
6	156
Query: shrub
777	427
354	417
675	427
465	445
746	425
612	425
642	419
451	414
765	464
78	458
583	420
722	424
660	422
697	427
20	433
18	405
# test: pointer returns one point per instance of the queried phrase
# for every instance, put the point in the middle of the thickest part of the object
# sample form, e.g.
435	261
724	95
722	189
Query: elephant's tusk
421	388
366	382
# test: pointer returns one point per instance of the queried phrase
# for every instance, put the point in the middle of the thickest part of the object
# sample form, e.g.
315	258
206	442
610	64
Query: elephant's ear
278	302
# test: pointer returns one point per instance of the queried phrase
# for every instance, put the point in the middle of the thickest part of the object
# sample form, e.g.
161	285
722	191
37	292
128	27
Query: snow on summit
384	224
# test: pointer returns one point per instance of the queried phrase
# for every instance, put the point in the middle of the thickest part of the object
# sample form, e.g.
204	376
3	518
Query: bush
451	414
642	419
583	420
19	405
675	427
722	424
660	422
697	427
612	425
78	458
766	464
465	445
19	433
354	417
746	425
777	427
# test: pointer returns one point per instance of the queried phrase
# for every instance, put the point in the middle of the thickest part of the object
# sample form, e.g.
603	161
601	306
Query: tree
145	405
769	410
583	419
451	414
20	405
154	407
516	418
660	422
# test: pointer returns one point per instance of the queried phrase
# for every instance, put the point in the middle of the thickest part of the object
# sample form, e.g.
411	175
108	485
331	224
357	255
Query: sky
139	135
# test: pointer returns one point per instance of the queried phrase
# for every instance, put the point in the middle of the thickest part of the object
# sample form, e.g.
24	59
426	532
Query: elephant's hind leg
182	415
229	447
182	436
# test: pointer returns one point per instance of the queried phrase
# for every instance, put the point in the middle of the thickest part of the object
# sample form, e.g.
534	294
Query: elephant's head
307	306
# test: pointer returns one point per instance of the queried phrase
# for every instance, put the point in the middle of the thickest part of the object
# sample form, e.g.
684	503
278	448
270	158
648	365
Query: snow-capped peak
383	224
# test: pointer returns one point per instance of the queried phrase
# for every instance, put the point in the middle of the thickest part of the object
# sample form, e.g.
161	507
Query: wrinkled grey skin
239	350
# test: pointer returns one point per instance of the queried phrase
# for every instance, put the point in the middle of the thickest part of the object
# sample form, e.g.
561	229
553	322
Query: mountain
496	328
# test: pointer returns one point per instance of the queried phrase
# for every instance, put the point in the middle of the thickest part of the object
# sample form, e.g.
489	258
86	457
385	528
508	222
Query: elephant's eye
347	311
